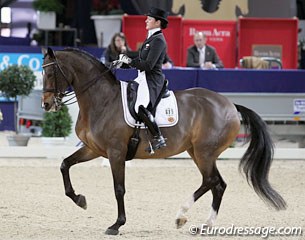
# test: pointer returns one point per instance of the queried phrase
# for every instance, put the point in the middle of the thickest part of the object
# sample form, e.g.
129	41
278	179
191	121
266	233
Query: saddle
130	100
132	89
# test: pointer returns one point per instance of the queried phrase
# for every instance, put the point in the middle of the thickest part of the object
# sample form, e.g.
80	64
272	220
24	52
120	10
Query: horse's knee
64	167
119	191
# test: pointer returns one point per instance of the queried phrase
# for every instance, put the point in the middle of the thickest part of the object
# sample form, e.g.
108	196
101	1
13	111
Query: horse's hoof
81	201
180	222
110	231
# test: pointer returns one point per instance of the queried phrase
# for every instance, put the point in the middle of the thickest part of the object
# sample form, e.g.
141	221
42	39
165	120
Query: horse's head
55	82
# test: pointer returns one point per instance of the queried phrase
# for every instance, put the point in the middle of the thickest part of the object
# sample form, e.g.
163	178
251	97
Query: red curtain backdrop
281	33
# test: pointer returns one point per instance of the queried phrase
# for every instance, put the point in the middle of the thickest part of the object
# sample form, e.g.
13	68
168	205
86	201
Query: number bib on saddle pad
166	113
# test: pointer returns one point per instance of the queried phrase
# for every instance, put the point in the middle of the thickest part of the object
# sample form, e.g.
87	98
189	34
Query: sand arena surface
33	204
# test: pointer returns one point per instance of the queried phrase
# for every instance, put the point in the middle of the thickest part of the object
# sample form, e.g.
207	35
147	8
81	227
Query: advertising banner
33	60
220	34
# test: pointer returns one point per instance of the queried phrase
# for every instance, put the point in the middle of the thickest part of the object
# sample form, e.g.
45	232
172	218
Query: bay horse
208	124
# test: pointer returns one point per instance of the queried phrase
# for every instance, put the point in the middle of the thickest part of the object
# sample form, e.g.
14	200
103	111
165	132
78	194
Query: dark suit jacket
151	57
210	56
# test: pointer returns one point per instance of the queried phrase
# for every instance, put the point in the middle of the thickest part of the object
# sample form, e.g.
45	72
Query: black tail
257	159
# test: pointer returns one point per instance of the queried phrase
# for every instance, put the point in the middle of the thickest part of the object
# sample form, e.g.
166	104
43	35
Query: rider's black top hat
158	13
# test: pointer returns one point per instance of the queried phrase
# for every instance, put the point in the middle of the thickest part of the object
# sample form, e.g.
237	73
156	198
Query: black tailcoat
151	56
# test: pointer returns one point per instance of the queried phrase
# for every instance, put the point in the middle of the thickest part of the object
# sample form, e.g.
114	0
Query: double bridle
58	94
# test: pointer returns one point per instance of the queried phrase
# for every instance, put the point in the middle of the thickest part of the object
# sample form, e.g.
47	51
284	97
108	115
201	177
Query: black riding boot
150	122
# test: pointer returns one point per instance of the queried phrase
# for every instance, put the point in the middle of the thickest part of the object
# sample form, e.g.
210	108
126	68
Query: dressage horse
208	124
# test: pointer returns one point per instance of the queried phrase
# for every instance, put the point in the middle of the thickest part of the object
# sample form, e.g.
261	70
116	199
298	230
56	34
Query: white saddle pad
166	113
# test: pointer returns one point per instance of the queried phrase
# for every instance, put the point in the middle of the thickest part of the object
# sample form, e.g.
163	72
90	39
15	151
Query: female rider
150	59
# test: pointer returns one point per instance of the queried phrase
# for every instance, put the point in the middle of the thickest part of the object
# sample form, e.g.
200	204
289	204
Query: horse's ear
43	51
48	51
51	52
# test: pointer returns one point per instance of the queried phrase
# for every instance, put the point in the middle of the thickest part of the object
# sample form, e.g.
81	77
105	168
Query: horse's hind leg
82	155
217	191
210	180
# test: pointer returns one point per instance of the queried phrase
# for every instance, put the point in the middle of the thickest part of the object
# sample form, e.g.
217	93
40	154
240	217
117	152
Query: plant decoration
16	80
48	6
57	124
106	8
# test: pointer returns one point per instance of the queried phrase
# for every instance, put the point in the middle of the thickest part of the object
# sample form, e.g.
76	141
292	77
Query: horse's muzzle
49	107
50	103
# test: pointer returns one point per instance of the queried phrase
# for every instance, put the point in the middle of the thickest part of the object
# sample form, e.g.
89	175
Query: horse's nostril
45	105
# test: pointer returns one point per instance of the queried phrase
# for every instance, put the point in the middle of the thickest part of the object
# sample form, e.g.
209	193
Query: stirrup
158	142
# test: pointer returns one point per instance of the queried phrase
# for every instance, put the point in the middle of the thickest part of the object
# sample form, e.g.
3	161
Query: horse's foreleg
118	174
82	155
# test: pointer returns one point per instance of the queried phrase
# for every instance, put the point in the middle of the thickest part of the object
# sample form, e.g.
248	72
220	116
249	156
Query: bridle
59	94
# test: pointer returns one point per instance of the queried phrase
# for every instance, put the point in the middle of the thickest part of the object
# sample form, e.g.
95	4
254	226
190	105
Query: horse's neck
96	95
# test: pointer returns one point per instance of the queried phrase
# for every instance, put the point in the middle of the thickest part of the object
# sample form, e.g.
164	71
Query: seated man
202	55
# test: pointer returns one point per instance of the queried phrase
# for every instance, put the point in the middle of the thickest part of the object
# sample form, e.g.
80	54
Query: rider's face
152	23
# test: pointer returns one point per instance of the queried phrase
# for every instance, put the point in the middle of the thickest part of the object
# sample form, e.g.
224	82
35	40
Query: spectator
117	46
202	55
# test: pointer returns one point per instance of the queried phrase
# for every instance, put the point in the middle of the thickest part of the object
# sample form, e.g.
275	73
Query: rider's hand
117	64
123	58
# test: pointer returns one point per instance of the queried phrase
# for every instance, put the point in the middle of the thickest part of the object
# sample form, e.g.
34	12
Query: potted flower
107	17
17	80
56	126
46	12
